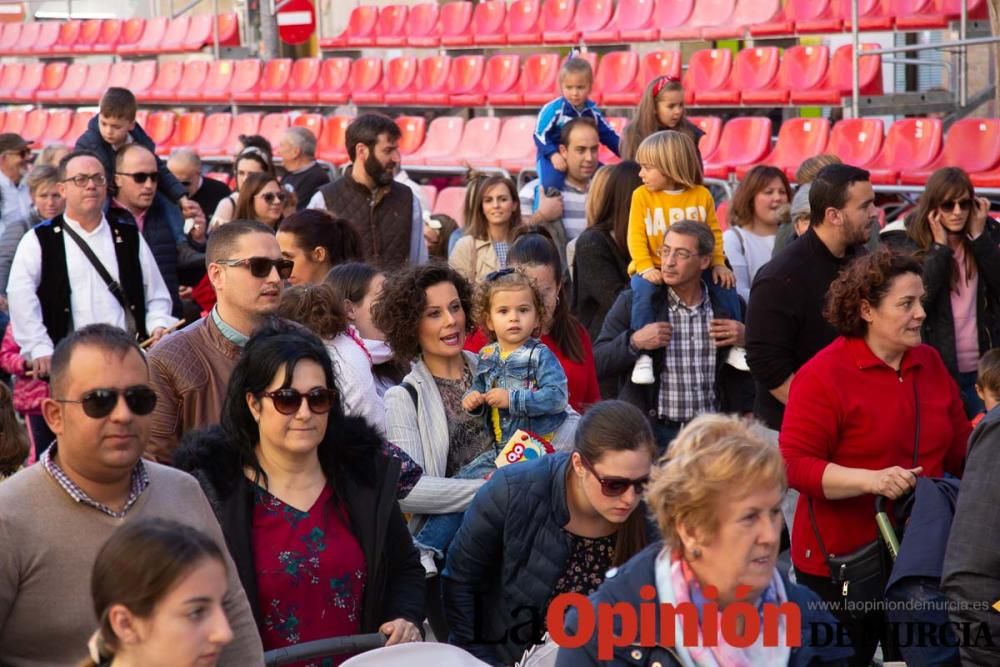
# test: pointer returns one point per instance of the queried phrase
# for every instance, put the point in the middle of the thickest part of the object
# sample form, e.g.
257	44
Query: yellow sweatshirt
653	212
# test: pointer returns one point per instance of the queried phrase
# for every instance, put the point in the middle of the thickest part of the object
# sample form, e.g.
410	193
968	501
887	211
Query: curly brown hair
868	278
316	307
399	310
483	295
13	440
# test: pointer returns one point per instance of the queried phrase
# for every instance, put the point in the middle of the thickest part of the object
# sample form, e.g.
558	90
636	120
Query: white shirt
747	252
16	200
90	299
355	380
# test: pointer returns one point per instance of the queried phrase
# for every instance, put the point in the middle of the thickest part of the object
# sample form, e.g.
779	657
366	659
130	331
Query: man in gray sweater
56	515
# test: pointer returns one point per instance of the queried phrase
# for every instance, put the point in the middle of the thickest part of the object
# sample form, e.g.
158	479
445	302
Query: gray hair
41	174
186	156
699	230
303	139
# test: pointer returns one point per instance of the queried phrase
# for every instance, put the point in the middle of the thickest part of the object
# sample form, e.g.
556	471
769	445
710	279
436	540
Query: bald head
136	176
185	165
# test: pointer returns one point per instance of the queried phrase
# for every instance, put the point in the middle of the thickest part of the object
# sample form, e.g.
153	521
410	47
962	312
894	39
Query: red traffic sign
296	21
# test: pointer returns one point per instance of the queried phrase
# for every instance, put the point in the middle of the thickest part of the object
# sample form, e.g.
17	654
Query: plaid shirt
687	381
140	480
501	248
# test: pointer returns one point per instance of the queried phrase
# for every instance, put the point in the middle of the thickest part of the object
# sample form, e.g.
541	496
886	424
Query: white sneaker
642	372
427	560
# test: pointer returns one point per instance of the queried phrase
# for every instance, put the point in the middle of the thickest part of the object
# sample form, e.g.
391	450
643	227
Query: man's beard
382	175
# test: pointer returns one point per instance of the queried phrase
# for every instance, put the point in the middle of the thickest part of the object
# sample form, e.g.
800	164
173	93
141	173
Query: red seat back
443	136
424	20
479	138
413	130
593	15
798	140
910	144
803	67
246	75
456	17
9	36
214	133
334	74
712	13
400	74
10	77
541	72
199	32
31	79
366	74
247	122
143	75
756	67
361	23
502	73
78	127
434	74
193	79
34	124
712	127
95	81
273	125
28	37
120	75
90	32
869	71
558	15
160	126
276	74
744	140
451	202
305	74
131	31
220	75
517	141
111	34
168	76
618	71
604	154
808	10
311	121
187	133
659	63
523	17
984	134
53	76
752	12
76	76
635	14
176	34
331	144
708	69
15	120
488	18
466	74
391	21
152	36
229	30
47	36
69	31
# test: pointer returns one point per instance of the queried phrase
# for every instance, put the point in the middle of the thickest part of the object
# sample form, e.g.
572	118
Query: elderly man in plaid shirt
695	341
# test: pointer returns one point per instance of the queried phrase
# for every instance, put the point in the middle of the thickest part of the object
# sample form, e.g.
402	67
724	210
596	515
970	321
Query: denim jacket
535	381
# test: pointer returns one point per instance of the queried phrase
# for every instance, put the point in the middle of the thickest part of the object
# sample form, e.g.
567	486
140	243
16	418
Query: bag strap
113	286
412	391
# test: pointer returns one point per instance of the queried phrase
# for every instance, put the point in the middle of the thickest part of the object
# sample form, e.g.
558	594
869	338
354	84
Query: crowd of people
341	415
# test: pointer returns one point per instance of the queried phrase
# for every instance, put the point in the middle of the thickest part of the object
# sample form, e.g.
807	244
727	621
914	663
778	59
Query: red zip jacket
848	407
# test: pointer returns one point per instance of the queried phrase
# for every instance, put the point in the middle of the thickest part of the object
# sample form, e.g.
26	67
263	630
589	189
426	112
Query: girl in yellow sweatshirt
672	191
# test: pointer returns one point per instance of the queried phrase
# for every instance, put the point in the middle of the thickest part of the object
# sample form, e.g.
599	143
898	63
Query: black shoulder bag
113	286
862	574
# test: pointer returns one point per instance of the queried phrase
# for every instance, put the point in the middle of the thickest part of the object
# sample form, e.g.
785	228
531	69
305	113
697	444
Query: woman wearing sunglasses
306	500
263	199
951	231
551	526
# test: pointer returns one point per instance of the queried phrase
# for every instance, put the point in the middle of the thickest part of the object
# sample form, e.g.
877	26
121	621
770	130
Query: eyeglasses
80	180
287	401
269	197
680	253
612	487
494	275
141	177
963	204
99	403
24	152
260	267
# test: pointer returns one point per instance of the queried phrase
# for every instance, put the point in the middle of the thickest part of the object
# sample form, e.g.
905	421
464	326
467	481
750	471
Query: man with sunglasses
56	284
15	158
191	368
55	516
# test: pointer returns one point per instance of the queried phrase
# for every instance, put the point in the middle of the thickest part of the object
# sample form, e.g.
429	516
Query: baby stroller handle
885	527
323	647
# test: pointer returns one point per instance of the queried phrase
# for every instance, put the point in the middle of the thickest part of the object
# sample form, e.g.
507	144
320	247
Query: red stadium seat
272	126
708	70
557	22
48	34
433	80
10	77
872	14
455	20
247	122
186	134
69	31
652	65
798	140
838	79
640	21
334	86
53	76
57	127
160	126
746	13
451	202
912	143
744	140
430	195
331	145
524	22
15	120
366	76
90	32
199	32
982	133
412	129
617	75
424	29
755	69
120	75
706	14
516	147
592	16
500	78
303	81
97	79
399	85
229	30
141	116
214	134
479	141
130	34
246	80
69	90
360	27
31	79
149	43
108	37
803	16
168	77
802	68
465	81
274	81
489	26
78	127
931	14
34	125
443	137
175	34
143	76
712	127
10	33
536	81
192	82
390	29
220	75
856	141
311	121
604	154
26	39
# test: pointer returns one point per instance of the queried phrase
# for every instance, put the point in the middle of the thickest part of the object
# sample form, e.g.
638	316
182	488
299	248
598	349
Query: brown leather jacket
190	374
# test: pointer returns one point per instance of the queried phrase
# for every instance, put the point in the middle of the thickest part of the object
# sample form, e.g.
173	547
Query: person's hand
191	209
42	366
721	275
497	398
894	482
977	222
400	631
652	336
3	303
185	291
549	208
199	226
654	276
726	332
558	162
157	334
472	401
938	232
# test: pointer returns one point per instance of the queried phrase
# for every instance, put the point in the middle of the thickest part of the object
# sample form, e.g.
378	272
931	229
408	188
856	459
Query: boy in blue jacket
576	78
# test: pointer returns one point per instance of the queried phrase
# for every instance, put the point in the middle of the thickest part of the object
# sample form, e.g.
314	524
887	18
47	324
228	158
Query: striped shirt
687	381
574	215
140	480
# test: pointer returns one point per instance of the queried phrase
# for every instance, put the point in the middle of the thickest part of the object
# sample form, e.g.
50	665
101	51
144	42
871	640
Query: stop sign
296	21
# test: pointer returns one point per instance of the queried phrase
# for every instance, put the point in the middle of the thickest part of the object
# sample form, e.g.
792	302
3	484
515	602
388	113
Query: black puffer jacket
938	262
366	483
506	558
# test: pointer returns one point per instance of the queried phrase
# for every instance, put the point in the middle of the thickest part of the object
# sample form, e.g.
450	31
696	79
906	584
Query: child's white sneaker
642	372
427	560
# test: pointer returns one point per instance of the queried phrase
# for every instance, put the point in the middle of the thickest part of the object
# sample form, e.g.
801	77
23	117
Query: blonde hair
806	173
595	195
711	456
674	155
506	280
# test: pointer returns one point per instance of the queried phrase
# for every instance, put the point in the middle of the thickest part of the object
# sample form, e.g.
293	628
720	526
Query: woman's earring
696	553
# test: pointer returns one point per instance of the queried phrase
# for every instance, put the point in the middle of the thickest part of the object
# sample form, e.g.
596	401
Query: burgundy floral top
310	572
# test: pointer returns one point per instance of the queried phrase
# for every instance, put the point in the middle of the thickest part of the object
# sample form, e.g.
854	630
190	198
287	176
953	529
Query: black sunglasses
613	487
963	204
260	267
269	197
99	403
287	401
140	177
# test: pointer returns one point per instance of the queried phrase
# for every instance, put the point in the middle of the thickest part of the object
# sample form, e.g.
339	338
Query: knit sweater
50	543
651	215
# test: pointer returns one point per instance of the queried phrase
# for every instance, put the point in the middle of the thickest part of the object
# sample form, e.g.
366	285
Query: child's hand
472	401
497	398
558	162
654	276
724	277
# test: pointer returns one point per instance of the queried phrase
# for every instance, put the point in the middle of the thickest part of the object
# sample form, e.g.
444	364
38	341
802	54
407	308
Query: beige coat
474	258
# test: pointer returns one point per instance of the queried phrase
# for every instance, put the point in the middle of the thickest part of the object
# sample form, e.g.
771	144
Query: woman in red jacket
866	416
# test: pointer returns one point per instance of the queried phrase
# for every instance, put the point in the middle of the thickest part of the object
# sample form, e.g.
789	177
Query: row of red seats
45	126
527	22
127	37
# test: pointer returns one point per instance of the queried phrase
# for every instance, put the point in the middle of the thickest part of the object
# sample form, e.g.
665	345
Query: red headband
663	81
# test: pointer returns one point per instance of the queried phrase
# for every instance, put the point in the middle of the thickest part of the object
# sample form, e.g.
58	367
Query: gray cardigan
9	239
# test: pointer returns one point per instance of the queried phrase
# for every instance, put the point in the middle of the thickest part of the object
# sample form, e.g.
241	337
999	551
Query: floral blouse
588	562
310	571
467	436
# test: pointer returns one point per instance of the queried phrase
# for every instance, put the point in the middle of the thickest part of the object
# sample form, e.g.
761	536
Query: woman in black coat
307	500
